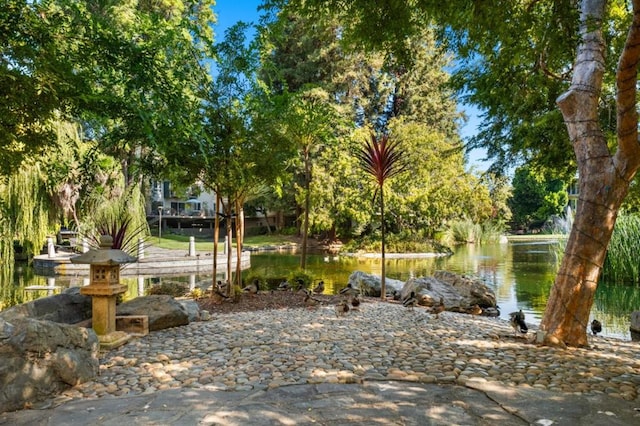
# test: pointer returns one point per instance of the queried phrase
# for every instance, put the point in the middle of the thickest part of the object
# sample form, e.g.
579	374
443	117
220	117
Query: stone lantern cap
105	255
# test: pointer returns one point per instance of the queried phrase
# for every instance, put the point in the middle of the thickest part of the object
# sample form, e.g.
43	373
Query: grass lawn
181	242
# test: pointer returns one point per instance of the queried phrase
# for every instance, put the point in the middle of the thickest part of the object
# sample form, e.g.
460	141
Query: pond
520	273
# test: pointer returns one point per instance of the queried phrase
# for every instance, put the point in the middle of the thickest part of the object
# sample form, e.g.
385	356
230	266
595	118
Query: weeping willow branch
27	212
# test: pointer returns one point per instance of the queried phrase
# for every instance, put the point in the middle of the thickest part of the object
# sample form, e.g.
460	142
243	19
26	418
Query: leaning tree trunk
603	178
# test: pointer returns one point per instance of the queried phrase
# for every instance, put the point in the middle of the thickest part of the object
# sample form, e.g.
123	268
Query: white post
51	285
140	248
85	245
51	249
192	246
192	281
140	285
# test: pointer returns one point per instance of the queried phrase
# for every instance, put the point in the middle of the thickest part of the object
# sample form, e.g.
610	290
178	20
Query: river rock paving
381	341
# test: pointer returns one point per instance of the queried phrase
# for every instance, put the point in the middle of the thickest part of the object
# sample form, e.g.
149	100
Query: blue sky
231	11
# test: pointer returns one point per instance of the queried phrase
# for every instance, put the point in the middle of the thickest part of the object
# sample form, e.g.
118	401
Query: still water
520	273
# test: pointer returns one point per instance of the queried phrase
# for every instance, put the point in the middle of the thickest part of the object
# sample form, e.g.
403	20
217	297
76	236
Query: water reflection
521	275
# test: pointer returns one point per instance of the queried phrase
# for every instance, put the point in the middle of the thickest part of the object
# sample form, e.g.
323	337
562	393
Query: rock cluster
458	292
39	359
40	355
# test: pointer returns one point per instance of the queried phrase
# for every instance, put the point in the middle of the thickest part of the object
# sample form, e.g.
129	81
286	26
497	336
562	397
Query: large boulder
193	310
163	311
472	290
429	290
39	359
68	307
370	284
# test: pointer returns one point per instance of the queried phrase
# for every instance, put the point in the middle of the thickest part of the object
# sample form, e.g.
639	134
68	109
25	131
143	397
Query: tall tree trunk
383	289
603	178
266	220
239	240
216	239
307	207
228	225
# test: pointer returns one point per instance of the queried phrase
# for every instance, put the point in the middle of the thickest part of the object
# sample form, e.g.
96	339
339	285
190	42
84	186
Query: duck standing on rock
252	288
474	310
596	327
319	288
516	319
410	301
439	308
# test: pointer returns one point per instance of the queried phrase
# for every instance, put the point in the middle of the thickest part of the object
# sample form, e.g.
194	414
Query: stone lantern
104	287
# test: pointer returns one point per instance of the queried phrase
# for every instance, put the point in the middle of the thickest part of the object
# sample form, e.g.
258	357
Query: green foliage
174	289
621	263
26	211
520	118
536	196
129	72
299	274
466	231
403	242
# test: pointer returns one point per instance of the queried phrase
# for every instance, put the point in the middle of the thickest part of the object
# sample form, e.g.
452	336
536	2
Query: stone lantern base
113	340
103	306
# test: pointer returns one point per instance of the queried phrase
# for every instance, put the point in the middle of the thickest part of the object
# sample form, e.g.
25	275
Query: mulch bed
267	300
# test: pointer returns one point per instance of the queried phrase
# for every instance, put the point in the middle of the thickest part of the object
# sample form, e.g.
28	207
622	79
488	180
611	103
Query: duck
474	310
596	327
439	308
516	319
393	295
218	297
355	302
284	286
309	300
349	290
319	288
342	308
410	301
299	284
223	287
253	287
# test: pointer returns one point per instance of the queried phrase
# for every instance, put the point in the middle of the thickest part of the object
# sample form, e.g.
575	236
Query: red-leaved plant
382	158
124	238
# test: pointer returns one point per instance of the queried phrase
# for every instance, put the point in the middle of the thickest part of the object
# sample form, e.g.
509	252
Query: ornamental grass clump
621	264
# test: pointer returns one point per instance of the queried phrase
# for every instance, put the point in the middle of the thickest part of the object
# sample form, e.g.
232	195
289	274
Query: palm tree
382	159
